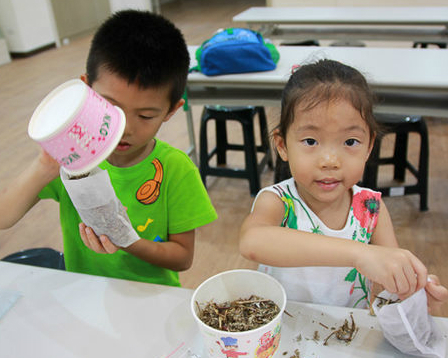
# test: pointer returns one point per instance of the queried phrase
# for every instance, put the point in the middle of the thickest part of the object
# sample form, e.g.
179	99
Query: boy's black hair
143	48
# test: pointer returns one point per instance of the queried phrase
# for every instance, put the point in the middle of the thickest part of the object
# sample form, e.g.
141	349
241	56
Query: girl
320	217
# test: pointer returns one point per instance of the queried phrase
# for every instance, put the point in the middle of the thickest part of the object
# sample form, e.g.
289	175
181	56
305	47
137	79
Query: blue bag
236	50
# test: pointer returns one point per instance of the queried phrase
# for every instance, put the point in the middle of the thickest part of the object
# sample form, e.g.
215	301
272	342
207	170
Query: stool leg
203	147
423	166
250	154
400	156
221	142
264	136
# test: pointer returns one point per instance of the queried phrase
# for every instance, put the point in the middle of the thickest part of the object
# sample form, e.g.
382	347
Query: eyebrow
312	127
139	109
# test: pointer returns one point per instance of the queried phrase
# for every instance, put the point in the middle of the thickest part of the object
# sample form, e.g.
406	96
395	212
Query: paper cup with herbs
239	313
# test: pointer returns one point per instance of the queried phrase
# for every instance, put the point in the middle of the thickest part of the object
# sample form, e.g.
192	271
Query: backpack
235	50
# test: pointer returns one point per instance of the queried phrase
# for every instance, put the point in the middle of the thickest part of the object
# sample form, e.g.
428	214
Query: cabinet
27	25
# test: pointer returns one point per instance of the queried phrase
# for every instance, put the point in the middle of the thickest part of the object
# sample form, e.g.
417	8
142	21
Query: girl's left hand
101	244
436	294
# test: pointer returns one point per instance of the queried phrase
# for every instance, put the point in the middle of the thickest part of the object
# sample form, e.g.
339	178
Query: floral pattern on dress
365	208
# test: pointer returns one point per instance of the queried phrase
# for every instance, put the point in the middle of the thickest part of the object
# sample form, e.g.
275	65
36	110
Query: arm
263	241
22	194
176	254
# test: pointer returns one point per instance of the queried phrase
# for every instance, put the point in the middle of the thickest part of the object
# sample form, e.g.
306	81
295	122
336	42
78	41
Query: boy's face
145	110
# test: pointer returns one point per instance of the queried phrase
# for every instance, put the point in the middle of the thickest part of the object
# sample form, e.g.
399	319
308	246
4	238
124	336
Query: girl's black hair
323	81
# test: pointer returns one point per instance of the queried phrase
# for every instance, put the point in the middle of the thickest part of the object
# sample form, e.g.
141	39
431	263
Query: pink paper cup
77	126
261	342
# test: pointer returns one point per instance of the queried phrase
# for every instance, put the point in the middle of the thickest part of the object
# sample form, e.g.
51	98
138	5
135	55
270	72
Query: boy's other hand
436	294
48	164
101	244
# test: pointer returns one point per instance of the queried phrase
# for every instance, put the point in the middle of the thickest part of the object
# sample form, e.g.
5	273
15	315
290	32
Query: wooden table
63	314
427	24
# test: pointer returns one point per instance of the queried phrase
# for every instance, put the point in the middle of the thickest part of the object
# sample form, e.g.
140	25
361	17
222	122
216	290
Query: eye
146	117
351	142
309	142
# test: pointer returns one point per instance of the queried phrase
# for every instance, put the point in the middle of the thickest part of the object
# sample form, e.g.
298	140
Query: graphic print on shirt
149	191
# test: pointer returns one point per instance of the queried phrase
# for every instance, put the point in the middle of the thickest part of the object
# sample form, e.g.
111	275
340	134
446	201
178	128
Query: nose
329	160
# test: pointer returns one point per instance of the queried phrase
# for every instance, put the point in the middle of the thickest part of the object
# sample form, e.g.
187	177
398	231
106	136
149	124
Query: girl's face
327	148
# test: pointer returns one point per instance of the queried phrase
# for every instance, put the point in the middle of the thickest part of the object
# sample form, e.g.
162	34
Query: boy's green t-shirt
179	203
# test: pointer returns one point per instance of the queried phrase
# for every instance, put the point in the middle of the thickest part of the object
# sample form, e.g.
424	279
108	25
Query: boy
137	61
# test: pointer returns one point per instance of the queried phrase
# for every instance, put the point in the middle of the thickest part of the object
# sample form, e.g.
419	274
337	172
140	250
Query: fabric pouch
99	208
408	326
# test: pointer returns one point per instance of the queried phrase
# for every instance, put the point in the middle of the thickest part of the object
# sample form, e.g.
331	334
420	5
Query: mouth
123	146
328	184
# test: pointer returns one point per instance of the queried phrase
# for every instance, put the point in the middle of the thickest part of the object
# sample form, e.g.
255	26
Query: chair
426	44
42	257
245	116
401	126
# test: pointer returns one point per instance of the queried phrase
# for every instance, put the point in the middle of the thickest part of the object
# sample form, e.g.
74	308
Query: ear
280	144
173	110
83	78
371	144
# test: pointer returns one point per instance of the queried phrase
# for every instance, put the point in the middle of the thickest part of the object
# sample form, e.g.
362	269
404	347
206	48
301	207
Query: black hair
318	82
143	48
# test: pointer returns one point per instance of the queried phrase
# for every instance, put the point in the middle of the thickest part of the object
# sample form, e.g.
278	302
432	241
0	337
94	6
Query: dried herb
296	354
382	302
239	315
345	332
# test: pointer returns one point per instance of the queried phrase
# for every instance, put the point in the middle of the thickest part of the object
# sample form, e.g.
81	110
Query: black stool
42	257
426	44
401	126
245	116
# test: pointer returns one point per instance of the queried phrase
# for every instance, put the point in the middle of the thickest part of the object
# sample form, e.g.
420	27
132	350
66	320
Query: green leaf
351	276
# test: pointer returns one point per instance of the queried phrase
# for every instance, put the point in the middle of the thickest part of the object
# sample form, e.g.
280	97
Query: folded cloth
408	326
99	208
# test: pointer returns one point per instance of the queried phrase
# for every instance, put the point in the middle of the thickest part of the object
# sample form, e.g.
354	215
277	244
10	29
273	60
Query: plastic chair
42	257
401	126
245	116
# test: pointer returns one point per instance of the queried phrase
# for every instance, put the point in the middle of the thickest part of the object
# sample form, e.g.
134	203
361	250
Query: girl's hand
397	270
436	294
101	245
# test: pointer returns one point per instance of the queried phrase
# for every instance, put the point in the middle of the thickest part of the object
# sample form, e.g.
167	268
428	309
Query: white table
364	23
65	315
408	81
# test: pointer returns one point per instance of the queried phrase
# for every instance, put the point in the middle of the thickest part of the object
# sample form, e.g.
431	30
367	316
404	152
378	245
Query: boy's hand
101	245
436	294
48	164
397	270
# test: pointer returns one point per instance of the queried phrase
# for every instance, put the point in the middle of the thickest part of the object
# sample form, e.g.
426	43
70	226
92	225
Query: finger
411	278
421	272
108	246
94	242
438	292
434	279
82	233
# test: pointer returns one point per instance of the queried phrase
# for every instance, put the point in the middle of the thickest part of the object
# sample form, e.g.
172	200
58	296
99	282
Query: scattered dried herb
345	332
323	325
296	354
239	315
